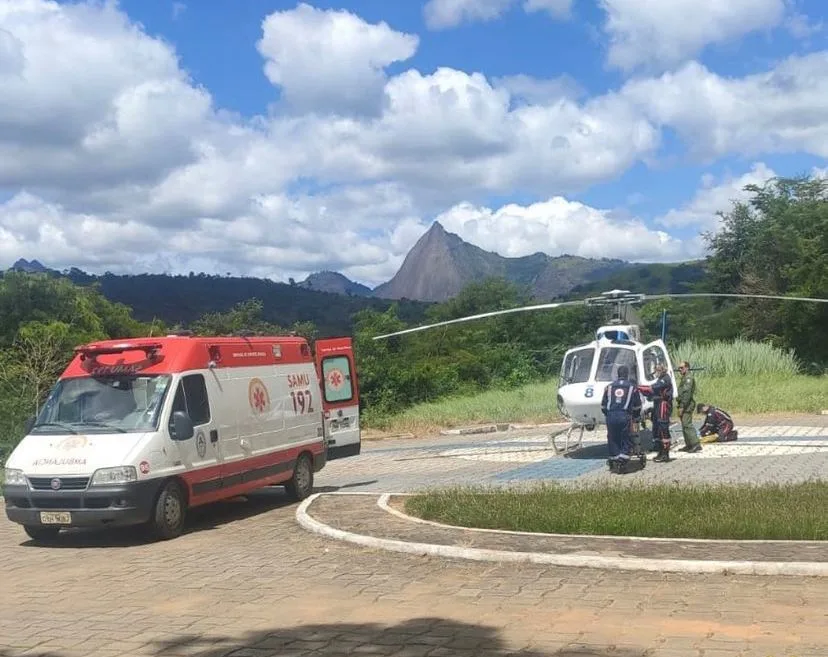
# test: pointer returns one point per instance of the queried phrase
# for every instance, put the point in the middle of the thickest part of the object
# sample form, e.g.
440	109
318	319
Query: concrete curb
500	427
467	431
765	568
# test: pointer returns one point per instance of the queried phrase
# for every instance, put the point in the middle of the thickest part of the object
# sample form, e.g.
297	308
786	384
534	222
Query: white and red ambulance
137	431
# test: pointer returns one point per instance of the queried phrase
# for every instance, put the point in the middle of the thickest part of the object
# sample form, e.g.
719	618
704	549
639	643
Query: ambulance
138	431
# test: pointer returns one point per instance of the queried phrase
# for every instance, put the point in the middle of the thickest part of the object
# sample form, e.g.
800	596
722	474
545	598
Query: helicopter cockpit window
577	366
653	356
609	360
616	334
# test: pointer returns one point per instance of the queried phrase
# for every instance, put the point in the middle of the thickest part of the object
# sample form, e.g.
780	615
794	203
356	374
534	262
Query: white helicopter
588	368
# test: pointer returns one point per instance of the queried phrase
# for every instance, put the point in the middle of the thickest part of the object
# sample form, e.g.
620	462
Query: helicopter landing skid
571	443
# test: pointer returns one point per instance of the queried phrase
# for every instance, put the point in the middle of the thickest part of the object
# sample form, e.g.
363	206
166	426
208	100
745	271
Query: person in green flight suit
686	405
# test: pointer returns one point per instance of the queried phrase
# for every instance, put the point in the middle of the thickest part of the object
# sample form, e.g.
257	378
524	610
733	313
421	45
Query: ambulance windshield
111	404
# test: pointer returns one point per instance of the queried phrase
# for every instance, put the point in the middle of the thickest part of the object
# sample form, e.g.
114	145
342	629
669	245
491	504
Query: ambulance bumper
110	506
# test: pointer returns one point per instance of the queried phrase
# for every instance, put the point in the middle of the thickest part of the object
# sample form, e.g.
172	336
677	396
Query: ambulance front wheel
168	514
300	485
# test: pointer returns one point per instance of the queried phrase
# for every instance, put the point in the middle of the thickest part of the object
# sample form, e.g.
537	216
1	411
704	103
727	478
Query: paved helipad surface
780	450
247	581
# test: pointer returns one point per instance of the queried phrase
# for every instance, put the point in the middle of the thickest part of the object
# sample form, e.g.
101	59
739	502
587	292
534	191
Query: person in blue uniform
621	405
661	392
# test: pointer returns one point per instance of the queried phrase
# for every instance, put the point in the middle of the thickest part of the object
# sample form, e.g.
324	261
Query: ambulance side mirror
182	426
29	423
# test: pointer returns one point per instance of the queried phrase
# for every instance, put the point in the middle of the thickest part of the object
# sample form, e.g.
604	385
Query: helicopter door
653	354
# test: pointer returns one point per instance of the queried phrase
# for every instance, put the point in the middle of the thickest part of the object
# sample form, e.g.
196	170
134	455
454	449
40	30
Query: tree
42	319
776	243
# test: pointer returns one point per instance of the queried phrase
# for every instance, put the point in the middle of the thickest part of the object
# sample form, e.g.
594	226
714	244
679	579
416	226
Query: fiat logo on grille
55	483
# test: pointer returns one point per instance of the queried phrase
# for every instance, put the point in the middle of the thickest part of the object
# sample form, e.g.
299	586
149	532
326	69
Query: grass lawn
789	512
739	395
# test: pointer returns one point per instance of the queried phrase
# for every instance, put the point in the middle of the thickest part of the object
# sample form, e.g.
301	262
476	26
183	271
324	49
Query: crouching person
620	404
718	425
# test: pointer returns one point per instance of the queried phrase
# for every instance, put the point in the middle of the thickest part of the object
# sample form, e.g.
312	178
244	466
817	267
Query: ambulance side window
198	406
191	397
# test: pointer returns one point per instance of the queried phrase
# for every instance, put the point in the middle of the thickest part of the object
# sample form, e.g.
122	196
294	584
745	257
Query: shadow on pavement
200	519
335	489
417	637
413	638
600	451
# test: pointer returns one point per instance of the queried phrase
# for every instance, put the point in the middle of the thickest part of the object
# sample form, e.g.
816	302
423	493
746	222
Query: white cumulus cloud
713	197
559	226
443	14
330	60
666	33
777	111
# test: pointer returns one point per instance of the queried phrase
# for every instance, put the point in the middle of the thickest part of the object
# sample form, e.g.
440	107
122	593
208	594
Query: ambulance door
340	397
201	453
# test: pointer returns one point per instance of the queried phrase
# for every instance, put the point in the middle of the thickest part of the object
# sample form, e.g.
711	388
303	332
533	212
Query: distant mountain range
333	281
441	264
437	268
33	267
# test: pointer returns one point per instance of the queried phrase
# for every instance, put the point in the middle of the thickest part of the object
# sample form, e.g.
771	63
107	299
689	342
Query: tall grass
531	403
737	358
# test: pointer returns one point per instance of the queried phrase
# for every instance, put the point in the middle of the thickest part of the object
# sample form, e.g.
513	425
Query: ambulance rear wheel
168	515
300	485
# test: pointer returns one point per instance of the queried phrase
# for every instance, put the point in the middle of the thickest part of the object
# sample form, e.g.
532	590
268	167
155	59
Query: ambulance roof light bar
93	350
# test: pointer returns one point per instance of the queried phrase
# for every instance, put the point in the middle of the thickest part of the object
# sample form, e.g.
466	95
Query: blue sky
665	125
216	43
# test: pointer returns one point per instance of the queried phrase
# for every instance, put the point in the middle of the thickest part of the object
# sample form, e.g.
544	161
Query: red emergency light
89	357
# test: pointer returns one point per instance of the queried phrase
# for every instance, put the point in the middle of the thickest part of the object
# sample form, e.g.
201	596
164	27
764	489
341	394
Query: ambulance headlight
114	476
13	477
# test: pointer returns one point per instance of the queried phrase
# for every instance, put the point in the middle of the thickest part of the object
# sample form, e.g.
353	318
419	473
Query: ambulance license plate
55	517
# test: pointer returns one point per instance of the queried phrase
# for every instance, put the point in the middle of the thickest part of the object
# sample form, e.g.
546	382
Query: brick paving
247	581
361	515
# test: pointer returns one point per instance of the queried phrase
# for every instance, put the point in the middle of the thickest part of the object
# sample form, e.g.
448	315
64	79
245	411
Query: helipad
795	449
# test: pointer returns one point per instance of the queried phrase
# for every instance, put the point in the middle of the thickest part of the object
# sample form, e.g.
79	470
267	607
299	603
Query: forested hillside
777	243
183	299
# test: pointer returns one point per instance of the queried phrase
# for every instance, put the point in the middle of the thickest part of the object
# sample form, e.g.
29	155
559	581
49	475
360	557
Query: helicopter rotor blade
735	296
469	318
597	300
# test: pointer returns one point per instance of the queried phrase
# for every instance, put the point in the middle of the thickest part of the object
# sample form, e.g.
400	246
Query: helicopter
588	368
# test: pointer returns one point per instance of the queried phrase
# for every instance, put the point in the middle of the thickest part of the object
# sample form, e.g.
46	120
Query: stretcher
637	454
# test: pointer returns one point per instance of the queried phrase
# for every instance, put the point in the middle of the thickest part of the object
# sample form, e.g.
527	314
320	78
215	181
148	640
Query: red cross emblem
257	396
335	378
259	399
